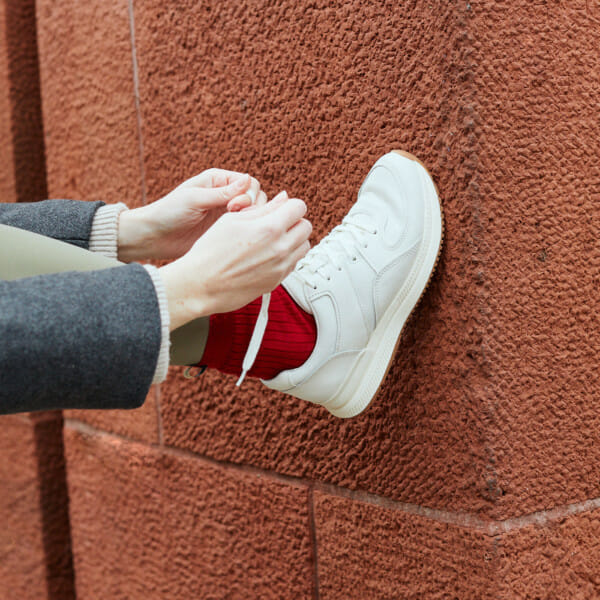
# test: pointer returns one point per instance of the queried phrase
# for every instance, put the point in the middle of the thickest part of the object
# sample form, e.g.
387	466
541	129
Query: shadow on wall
25	167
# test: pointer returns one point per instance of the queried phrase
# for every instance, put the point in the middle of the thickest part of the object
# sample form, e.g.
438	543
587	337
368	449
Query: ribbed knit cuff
105	230
162	366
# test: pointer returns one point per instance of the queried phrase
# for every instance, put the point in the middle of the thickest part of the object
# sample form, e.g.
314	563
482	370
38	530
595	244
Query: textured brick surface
22	564
92	140
7	171
507	124
306	96
365	551
22	174
558	560
490	403
537	74
88	100
35	554
18	32
152	525
140	423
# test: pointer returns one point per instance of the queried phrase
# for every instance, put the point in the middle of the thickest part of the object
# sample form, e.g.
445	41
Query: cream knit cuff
105	230
104	240
162	366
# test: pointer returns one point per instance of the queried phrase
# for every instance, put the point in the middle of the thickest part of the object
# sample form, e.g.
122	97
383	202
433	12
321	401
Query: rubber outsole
359	391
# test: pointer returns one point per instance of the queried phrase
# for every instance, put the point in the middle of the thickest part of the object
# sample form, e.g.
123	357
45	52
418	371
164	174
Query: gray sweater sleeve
66	220
78	340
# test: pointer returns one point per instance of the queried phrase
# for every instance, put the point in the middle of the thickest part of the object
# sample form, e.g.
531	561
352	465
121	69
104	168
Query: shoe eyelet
314	287
354	259
375	232
366	246
329	279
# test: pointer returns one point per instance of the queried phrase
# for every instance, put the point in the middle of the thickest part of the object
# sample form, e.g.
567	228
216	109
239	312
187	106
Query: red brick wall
7	172
35	542
473	473
35	552
21	129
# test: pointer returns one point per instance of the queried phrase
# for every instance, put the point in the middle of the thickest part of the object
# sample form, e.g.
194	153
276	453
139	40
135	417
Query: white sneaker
361	283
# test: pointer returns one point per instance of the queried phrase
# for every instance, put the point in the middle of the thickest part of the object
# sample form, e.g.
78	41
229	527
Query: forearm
90	225
120	233
78	340
113	235
65	220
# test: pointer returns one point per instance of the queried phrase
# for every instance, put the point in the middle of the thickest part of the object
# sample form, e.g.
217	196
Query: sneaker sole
372	366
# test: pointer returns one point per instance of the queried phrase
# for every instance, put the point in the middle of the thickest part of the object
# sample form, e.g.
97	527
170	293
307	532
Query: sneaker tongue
295	287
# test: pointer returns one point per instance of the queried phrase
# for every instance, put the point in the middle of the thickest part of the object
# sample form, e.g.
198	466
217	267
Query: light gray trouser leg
25	254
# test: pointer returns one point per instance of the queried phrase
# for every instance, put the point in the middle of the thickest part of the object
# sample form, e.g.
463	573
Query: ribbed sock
289	339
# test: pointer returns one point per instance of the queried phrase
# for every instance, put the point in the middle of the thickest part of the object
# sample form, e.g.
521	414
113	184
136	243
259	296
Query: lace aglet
242	377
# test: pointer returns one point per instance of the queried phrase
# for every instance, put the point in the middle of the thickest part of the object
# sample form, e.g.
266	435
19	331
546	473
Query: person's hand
168	228
242	256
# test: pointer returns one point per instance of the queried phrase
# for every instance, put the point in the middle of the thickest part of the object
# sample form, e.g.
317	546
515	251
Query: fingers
253	190
235	190
244	201
221	178
275	204
282	217
298	233
286	214
297	254
280	214
261	199
239	203
268	207
248	199
214	178
225	188
296	239
218	178
222	196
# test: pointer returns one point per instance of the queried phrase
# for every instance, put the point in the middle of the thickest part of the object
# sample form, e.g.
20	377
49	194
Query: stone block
153	524
35	550
306	96
88	100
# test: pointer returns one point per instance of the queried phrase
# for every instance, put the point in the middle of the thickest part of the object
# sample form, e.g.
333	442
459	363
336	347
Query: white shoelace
257	338
319	261
340	244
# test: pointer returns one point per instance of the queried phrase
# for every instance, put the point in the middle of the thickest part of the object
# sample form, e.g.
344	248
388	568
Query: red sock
289	339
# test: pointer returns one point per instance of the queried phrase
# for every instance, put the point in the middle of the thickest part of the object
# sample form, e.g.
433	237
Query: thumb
220	196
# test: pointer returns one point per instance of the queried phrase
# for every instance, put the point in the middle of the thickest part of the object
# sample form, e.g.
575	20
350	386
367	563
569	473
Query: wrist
133	236
187	300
